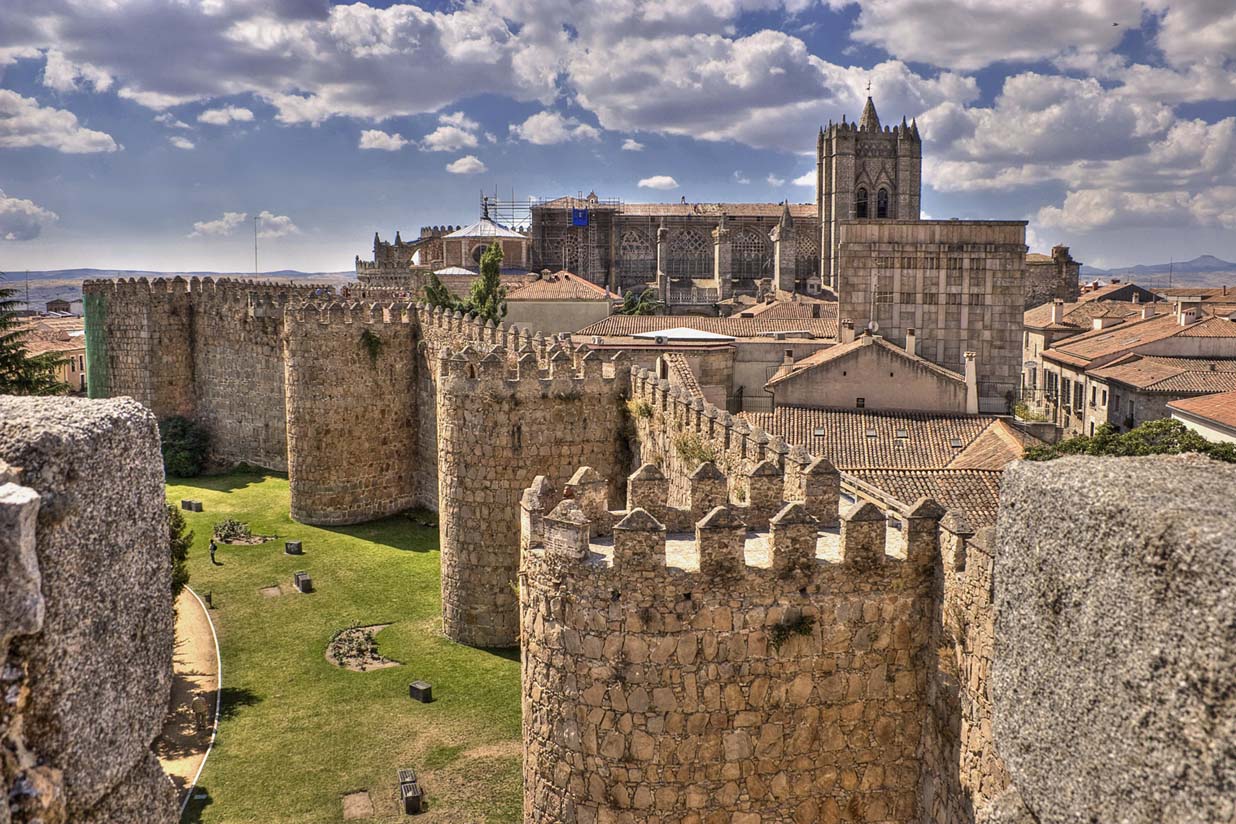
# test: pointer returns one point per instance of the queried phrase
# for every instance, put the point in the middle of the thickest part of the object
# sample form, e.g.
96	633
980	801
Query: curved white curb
214	729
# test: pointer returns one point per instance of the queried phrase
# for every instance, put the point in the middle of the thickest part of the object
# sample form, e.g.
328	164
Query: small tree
644	303
488	296
179	539
20	373
184	446
436	294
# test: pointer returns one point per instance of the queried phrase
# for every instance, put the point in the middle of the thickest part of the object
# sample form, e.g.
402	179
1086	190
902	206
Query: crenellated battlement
716	538
351	312
734	665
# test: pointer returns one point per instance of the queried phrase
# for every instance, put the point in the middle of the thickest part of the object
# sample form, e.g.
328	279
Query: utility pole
256	220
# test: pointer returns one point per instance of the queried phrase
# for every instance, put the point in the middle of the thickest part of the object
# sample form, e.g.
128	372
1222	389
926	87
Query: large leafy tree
487	298
1161	437
21	373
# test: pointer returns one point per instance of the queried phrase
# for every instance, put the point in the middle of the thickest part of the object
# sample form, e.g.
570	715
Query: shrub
693	451
184	445
1161	437
179	539
639	408
1025	413
798	625
232	530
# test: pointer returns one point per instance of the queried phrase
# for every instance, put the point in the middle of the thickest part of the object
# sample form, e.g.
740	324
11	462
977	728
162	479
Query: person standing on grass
213	547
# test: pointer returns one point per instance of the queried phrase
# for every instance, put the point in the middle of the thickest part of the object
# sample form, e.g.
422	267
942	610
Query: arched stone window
751	258
860	203
477	251
882	203
570	256
638	262
690	254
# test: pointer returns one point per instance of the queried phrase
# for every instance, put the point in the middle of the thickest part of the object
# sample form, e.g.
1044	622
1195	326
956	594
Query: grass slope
296	732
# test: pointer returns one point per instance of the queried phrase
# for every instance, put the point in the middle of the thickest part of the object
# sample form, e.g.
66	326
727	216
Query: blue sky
143	134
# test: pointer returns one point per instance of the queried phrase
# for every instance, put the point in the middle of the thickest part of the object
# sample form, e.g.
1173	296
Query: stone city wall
713	690
86	619
351	411
499	420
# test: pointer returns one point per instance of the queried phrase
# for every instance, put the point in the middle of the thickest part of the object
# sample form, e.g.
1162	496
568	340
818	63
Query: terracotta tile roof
864	439
561	285
995	448
1102	291
35	346
974	491
1080	315
53	328
1203	293
627	325
461	285
834	353
1167	374
804	307
1220	408
1084	349
681	374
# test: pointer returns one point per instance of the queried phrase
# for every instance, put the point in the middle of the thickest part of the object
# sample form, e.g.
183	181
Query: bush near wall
1162	437
184	445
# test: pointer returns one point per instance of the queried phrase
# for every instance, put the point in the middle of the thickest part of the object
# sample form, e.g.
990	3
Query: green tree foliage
1161	437
644	303
179	539
22	374
184	446
487	299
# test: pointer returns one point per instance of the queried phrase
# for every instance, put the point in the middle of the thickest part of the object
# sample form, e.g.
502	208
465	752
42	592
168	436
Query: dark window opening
882	203
860	204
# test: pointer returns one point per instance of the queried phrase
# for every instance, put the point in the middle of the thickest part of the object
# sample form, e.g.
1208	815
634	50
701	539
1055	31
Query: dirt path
181	746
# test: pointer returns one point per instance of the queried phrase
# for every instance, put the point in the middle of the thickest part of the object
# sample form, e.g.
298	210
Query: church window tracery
860	203
690	254
882	203
751	257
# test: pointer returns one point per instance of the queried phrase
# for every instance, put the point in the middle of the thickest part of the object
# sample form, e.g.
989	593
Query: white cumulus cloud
466	165
23	219
549	127
181	142
171	121
61	74
383	141
24	123
773	180
218	228
658	182
272	225
805	179
632	145
225	115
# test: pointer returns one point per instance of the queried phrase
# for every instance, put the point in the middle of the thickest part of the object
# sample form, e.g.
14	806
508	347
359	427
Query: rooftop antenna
1171	264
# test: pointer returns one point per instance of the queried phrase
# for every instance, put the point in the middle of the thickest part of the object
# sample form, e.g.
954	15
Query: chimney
847	331
1114	281
788	360
972	406
867	338
911	342
1189	315
1057	311
1137	298
815	309
1148	311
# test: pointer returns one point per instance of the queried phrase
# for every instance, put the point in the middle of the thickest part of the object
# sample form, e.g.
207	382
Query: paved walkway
181	746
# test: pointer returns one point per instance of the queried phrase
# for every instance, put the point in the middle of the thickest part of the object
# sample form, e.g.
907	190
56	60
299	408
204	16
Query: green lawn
297	732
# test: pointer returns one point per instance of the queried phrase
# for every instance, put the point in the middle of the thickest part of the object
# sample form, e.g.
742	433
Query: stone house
1139	388
1043	326
1068	386
1051	277
1211	416
868	372
558	302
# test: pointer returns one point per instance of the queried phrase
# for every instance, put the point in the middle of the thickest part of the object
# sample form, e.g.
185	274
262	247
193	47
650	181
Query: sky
150	134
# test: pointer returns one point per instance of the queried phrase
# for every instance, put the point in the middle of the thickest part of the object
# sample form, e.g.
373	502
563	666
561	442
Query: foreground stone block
1115	667
97	667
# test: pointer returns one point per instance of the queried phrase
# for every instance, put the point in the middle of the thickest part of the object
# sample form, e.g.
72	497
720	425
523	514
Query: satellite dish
873	327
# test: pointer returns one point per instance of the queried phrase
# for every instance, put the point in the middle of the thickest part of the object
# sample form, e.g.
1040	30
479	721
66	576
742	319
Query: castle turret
870	121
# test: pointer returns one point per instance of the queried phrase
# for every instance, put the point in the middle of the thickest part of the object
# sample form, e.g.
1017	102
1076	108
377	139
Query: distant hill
67	283
1204	270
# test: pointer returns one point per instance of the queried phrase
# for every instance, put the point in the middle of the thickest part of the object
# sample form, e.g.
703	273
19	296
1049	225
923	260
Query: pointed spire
786	218
398	240
870	120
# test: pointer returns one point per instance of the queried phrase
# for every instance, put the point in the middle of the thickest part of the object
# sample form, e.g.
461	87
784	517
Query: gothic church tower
864	170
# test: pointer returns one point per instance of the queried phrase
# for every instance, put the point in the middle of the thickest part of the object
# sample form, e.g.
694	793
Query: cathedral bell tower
865	171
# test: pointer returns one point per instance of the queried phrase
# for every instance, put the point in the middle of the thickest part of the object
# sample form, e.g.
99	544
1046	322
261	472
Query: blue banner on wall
579	217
